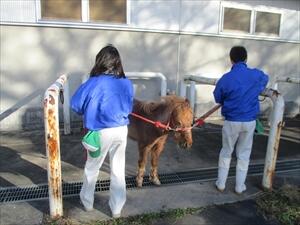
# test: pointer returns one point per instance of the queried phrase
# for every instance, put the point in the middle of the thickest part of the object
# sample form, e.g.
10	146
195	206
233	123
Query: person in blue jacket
238	91
105	100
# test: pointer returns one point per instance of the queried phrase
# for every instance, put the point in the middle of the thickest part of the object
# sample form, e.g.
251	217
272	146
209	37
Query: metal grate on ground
37	192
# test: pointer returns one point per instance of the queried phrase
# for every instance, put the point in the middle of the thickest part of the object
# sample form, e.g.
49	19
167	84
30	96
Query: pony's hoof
155	181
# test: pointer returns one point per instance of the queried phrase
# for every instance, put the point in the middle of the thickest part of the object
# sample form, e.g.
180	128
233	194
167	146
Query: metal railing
143	76
149	75
294	80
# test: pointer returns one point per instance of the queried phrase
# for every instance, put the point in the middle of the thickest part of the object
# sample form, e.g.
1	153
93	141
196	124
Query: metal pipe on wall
293	80
66	108
149	75
192	80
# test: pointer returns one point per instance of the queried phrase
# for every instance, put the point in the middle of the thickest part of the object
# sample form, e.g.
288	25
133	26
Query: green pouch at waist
259	129
91	141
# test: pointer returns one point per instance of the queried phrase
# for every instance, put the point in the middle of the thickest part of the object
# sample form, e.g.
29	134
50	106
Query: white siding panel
200	16
17	11
155	14
290	25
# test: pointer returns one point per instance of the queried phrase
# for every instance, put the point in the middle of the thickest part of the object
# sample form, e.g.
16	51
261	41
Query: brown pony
171	110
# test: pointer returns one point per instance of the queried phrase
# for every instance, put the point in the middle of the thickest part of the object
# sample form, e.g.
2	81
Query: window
237	19
61	9
108	10
114	11
267	23
249	20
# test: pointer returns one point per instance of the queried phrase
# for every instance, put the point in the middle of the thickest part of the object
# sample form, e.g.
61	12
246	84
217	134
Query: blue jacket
104	101
238	90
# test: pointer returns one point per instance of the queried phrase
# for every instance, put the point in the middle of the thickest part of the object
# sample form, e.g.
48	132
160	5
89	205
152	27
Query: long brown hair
108	61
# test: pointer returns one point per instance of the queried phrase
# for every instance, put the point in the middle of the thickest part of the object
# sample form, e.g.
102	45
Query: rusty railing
52	139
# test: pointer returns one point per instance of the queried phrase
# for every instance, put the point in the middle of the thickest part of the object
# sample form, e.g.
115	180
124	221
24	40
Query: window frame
254	10
85	16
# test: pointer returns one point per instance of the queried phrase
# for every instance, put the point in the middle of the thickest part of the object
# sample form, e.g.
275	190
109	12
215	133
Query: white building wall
290	24
155	14
200	16
178	38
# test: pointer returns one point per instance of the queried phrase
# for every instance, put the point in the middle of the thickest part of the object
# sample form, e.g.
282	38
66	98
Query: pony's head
181	119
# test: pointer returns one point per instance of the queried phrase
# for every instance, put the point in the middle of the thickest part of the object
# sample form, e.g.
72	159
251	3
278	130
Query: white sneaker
117	215
85	208
240	190
219	189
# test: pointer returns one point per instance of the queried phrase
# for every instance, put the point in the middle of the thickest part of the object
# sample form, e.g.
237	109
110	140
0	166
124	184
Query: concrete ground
23	162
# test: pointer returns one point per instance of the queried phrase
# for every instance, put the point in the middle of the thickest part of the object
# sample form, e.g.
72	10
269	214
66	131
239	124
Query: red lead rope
198	122
157	124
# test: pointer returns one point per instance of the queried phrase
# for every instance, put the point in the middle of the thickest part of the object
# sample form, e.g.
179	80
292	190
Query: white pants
237	135
113	140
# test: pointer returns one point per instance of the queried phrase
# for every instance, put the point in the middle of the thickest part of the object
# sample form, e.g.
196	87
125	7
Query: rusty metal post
52	139
274	136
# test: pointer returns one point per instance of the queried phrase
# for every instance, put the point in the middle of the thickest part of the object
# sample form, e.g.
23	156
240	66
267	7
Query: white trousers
239	136
113	141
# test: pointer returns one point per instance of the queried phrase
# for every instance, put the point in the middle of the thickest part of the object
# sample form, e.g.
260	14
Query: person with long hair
105	100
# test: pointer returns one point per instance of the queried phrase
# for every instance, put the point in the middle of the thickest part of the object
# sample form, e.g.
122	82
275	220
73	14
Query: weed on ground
282	204
144	219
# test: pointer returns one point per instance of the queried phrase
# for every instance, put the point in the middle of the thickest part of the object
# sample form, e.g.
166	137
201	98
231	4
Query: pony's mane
169	101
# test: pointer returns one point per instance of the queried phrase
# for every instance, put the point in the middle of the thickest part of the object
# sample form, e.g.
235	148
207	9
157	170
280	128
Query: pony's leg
143	153
155	153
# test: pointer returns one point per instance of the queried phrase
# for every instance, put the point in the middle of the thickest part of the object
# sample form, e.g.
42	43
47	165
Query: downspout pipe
150	75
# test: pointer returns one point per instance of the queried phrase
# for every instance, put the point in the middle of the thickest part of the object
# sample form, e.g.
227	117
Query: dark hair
108	61
238	54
